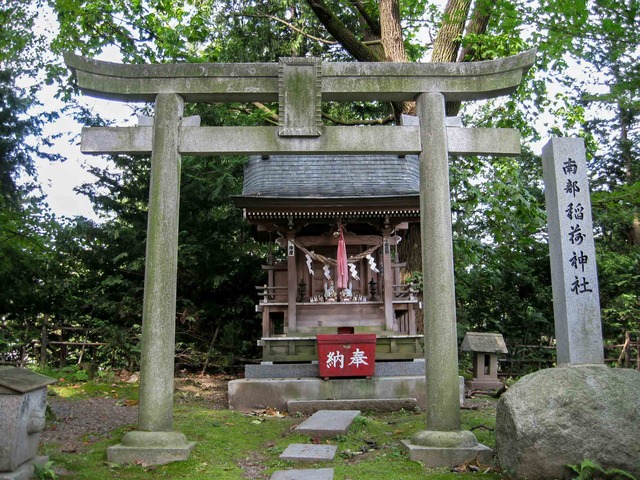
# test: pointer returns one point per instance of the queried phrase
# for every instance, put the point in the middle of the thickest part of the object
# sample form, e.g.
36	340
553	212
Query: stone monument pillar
576	299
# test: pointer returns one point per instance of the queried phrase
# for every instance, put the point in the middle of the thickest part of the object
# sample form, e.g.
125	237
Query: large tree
502	277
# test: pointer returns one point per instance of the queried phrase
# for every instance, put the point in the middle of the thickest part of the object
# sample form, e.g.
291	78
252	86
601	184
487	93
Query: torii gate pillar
155	442
443	443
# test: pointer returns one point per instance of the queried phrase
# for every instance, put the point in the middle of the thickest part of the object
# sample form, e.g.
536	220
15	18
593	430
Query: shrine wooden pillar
292	285
387	279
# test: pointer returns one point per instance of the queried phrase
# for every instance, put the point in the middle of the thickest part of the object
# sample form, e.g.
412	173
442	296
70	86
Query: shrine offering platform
305	348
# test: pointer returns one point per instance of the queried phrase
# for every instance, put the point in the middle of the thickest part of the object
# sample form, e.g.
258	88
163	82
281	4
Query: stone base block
151	448
296	370
449	457
258	393
25	471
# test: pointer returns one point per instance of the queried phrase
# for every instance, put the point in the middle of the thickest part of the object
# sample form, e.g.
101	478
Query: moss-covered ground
233	445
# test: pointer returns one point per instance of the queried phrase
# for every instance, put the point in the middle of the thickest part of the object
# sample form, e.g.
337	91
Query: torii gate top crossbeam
340	81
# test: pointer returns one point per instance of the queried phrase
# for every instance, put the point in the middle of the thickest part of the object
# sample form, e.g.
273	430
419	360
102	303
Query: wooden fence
523	359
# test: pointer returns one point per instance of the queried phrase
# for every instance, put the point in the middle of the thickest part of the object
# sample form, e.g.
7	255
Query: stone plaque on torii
299	85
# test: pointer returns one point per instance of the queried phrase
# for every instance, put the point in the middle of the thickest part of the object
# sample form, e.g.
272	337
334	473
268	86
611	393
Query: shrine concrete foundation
296	387
258	393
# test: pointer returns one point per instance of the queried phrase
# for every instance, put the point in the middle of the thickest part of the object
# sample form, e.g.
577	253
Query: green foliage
44	472
619	277
590	470
90	275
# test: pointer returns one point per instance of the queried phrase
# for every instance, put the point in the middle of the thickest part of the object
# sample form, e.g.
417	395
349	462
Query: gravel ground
79	422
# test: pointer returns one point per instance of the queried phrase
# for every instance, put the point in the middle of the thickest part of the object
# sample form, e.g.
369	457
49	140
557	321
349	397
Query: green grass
231	445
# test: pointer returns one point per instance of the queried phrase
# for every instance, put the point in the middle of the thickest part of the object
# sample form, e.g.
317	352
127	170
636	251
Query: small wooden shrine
339	220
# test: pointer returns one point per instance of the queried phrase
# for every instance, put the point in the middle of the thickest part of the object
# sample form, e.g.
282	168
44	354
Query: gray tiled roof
323	176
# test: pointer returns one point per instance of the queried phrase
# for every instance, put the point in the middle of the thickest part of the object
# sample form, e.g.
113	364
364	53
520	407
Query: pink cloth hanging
342	269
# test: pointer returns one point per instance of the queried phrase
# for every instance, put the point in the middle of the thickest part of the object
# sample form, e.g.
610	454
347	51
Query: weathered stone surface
161	263
483	342
449	457
265	140
307	407
447	448
22	416
440	341
484	384
574	276
300	81
341	81
300	452
455	439
328	423
25	471
562	416
150	448
249	394
309	474
296	370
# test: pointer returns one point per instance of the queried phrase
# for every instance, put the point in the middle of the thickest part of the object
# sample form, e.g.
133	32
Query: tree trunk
393	44
44	340
448	40
341	33
373	25
391	31
476	26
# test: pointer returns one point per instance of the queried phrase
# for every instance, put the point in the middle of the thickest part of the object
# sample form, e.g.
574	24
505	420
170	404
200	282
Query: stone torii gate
299	85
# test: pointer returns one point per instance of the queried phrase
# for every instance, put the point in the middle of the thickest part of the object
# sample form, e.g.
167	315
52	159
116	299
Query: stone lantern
23	404
485	348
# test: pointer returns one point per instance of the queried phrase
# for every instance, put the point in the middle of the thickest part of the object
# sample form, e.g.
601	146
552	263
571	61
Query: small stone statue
330	292
346	295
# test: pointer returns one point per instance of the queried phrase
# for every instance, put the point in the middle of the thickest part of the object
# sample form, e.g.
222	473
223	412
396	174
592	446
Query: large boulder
561	416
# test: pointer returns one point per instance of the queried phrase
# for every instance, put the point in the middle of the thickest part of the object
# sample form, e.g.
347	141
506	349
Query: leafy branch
288	24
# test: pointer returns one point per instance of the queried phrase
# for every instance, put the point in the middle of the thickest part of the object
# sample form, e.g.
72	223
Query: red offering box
351	355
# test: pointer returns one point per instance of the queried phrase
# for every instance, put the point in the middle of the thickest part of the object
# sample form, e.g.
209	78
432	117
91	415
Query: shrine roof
331	176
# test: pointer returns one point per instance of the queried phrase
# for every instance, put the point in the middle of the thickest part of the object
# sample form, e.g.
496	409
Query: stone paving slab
300	452
327	423
311	474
